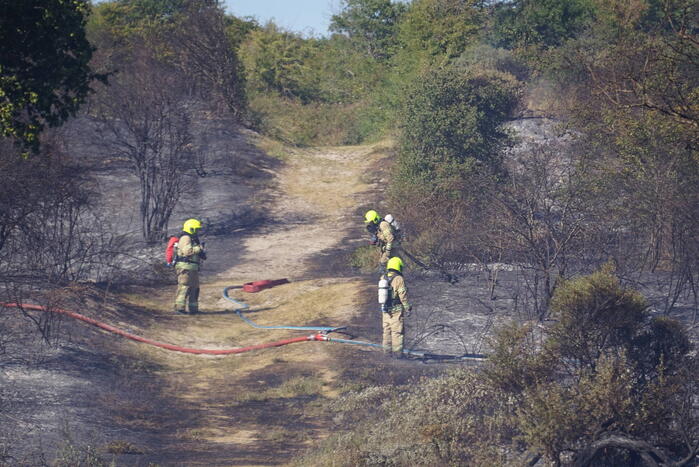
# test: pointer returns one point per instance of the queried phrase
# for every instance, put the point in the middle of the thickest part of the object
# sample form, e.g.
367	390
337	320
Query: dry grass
324	180
197	380
295	387
122	447
276	148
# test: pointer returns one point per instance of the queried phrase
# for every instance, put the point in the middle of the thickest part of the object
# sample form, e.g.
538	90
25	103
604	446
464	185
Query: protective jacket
385	236
392	322
399	291
188	252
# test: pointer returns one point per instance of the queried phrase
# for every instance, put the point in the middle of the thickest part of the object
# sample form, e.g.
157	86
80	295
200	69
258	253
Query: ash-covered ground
457	318
55	398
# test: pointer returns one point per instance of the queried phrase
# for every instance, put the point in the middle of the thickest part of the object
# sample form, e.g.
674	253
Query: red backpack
170	251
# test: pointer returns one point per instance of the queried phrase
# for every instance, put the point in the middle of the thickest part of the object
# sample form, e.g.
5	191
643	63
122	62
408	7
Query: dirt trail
315	197
258	408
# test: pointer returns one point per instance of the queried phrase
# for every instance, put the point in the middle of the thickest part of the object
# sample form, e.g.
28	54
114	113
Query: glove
202	255
408	309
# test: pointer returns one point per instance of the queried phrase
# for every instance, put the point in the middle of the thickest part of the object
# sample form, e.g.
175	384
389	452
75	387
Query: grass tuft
365	259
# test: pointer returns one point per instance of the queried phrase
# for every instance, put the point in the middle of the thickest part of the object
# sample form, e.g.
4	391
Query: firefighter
394	308
382	234
190	254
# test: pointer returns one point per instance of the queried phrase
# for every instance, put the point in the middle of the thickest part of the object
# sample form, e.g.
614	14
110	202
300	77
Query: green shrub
593	314
451	147
455	118
604	366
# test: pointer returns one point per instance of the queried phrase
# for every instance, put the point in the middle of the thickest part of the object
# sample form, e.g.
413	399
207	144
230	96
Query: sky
310	17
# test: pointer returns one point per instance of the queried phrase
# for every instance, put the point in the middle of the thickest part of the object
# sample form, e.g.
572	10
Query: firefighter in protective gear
190	254
397	309
383	232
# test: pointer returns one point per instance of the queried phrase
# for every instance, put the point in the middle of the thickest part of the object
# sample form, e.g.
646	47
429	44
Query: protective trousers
187	291
393	331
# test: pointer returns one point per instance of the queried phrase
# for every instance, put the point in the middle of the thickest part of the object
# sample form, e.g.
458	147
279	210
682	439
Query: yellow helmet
371	216
395	263
191	226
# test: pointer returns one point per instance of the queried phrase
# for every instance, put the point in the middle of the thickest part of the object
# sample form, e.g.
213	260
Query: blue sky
305	16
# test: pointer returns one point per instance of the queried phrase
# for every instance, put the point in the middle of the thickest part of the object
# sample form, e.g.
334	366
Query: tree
144	118
540	23
50	233
194	35
540	218
44	65
126	19
205	53
632	82
280	61
640	57
371	25
437	31
451	148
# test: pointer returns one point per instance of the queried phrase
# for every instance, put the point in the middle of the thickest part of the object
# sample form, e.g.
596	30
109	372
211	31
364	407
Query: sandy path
236	410
312	207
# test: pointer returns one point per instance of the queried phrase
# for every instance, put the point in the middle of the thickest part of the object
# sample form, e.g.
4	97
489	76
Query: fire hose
321	334
162	345
324	330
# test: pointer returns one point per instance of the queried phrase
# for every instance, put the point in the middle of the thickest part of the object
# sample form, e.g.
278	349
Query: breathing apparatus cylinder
383	294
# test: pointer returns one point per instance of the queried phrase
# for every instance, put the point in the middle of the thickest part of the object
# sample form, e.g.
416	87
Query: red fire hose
128	335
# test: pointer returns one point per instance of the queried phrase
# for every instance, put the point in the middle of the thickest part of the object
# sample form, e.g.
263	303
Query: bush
454	118
451	146
451	420
604	367
594	314
537	398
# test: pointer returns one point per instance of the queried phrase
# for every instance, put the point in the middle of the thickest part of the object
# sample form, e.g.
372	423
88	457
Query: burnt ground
90	395
94	395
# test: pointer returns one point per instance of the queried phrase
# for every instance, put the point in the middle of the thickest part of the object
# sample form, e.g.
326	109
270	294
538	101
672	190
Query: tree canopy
370	25
44	74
